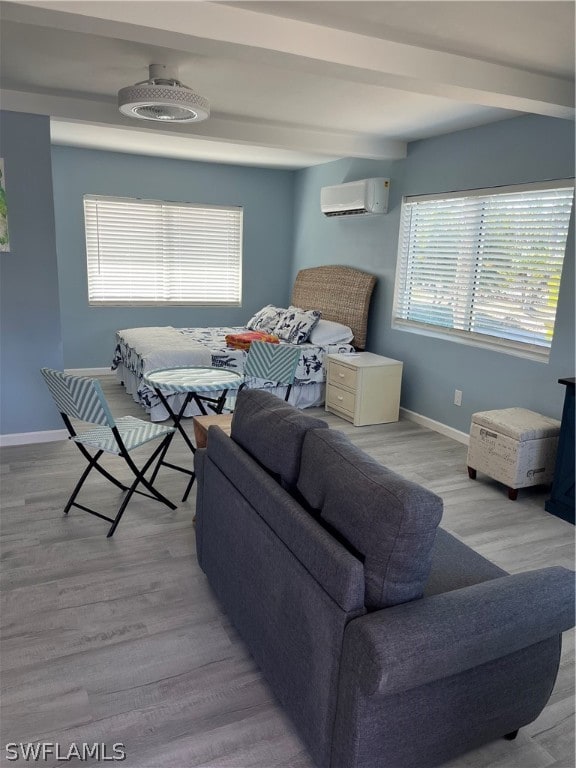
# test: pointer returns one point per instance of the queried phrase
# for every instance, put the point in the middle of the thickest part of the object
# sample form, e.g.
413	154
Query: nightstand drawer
340	399
342	376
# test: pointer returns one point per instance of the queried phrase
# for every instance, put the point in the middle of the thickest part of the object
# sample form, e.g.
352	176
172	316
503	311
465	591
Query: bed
341	295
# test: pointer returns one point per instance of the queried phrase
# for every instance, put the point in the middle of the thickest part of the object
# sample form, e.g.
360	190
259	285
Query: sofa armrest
409	645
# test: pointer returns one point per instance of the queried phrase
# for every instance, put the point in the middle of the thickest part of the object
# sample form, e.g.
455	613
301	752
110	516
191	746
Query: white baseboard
437	426
50	436
24	438
88	371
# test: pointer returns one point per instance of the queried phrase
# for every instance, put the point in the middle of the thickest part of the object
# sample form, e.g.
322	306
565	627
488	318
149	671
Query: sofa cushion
272	432
389	521
339	574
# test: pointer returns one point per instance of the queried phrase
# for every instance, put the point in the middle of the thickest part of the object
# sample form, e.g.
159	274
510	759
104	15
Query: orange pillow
244	339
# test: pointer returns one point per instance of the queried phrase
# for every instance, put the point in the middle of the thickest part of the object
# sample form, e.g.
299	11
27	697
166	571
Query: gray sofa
388	641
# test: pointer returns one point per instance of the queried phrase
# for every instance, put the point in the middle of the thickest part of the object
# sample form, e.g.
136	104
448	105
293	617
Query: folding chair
273	362
80	398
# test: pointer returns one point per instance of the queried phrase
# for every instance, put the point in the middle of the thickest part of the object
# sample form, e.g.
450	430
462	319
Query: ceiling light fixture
162	98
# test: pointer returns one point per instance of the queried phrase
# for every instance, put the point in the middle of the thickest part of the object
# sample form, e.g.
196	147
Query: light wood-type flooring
121	641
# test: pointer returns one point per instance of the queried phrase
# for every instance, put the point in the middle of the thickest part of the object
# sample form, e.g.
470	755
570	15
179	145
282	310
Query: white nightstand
363	388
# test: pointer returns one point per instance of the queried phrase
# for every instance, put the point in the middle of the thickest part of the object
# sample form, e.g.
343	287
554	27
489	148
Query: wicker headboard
342	294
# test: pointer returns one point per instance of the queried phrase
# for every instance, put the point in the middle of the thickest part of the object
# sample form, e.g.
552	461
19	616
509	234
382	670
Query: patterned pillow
266	319
296	325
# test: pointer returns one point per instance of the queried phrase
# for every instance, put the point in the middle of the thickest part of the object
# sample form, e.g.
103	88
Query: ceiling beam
221	128
204	27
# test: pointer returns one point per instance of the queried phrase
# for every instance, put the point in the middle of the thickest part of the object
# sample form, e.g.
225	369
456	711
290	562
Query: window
148	252
484	266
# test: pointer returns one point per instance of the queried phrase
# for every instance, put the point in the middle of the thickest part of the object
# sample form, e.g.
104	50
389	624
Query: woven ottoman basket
514	446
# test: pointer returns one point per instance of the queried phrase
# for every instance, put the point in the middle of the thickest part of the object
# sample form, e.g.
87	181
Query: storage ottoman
515	446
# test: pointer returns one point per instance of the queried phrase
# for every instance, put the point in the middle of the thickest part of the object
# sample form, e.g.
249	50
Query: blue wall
29	308
513	151
265	195
283	232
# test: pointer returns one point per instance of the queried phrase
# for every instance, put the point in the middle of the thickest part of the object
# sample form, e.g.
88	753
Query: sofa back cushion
388	521
272	432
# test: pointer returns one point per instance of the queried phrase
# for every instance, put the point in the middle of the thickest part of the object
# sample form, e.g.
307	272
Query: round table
193	380
197	383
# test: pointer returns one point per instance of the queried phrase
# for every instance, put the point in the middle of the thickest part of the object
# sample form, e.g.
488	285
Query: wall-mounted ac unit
368	196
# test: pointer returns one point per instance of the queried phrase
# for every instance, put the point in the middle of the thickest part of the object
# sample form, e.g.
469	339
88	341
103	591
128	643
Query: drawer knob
341	375
340	397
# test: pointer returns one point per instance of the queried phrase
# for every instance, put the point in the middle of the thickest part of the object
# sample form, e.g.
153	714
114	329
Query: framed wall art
4	236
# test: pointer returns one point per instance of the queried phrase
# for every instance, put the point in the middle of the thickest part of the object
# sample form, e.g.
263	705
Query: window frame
236	301
528	350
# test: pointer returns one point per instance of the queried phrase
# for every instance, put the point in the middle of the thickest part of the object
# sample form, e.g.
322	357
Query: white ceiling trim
302	46
217	129
284	91
130	140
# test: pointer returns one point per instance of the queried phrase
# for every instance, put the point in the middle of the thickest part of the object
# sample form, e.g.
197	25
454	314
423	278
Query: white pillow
329	332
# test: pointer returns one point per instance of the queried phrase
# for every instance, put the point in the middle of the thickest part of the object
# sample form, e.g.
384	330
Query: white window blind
484	266
149	252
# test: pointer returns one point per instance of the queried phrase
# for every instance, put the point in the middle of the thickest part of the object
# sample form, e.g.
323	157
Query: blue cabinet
561	502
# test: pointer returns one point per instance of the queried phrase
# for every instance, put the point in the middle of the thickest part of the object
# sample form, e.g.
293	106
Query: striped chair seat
134	433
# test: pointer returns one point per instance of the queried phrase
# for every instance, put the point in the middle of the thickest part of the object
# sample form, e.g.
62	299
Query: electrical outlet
457	397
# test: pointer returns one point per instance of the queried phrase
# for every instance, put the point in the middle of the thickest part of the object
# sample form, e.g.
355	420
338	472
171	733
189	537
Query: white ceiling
290	84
